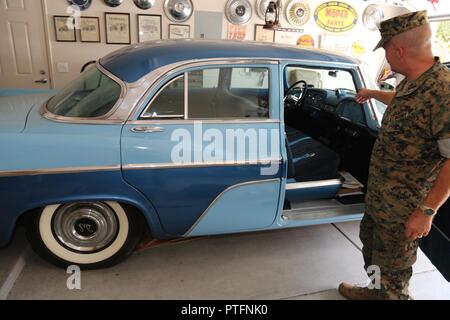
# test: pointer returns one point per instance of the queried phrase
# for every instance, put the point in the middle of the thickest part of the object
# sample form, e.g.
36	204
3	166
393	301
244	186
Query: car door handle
147	129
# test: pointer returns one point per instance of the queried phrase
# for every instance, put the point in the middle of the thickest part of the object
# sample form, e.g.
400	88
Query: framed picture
336	42
149	27
237	32
90	29
264	35
288	35
65	29
117	28
179	31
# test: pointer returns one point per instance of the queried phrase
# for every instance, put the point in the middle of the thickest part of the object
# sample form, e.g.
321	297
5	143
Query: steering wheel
295	97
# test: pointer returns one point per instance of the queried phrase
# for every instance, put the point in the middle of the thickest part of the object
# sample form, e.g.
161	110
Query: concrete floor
301	264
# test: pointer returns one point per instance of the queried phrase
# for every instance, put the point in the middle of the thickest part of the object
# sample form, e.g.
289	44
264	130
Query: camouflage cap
400	24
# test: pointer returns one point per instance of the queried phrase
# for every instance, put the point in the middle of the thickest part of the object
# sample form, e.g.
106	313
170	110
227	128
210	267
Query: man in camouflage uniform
409	176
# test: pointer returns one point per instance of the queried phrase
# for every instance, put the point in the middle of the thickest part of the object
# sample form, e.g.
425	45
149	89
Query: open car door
437	245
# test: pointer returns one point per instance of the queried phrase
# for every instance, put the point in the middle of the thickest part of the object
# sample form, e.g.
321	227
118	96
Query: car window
229	93
321	78
249	78
92	95
169	103
215	93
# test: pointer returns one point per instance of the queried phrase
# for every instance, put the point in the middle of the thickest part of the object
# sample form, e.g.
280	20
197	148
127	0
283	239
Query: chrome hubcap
85	227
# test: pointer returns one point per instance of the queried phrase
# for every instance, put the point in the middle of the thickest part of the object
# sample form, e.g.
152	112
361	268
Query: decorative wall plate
178	10
261	8
238	11
372	17
82	4
144	4
113	3
297	12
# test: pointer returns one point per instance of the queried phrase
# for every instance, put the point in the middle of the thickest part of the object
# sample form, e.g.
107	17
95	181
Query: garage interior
305	263
299	264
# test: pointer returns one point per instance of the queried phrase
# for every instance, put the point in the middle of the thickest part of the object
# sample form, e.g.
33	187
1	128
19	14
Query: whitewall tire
88	234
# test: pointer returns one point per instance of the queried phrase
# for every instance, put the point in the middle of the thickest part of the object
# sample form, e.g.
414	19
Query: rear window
92	95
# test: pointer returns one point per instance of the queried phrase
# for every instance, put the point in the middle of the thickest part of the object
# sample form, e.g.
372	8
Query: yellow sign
358	48
306	41
336	16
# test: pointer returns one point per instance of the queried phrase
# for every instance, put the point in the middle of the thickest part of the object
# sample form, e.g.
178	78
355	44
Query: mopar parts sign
335	16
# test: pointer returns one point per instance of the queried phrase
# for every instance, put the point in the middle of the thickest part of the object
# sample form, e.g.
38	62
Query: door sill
322	209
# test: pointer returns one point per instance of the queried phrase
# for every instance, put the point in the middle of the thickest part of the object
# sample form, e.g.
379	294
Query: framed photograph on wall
149	27
117	28
65	29
90	29
264	35
179	31
288	35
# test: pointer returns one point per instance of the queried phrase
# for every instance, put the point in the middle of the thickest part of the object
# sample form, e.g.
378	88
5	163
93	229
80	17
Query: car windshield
92	95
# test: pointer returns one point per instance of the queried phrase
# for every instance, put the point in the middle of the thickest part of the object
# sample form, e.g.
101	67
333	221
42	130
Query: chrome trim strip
203	121
186	96
206	62
220	196
171	165
236	60
153	79
37	172
312	184
105	119
372	112
134	94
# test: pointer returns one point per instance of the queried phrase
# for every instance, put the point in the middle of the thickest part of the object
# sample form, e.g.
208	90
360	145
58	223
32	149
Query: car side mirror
386	86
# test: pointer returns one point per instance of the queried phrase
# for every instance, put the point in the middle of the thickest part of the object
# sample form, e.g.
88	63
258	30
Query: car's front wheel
88	234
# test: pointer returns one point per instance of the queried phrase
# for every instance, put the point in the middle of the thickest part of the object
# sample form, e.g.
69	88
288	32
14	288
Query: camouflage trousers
387	247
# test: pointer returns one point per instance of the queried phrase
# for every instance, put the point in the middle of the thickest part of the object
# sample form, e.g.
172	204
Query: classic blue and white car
186	138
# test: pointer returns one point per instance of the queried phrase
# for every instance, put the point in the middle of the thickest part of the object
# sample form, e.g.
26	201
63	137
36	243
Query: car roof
133	62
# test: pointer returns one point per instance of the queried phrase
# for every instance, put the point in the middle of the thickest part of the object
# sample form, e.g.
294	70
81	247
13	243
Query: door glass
169	102
229	93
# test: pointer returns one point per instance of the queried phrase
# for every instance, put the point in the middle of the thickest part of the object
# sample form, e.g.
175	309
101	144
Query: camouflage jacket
406	158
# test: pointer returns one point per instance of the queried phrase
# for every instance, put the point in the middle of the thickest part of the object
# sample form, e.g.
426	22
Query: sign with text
336	16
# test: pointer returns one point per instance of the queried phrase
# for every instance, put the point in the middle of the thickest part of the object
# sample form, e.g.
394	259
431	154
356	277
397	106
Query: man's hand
418	225
363	95
384	96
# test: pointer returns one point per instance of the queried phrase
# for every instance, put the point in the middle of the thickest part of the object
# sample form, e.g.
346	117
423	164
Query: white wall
78	53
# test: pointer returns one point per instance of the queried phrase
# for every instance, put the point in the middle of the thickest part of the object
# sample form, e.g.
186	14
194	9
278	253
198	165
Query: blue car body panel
172	200
22	193
244	208
181	196
46	144
9	92
14	111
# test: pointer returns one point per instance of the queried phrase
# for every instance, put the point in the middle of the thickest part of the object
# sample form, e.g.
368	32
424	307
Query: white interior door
23	55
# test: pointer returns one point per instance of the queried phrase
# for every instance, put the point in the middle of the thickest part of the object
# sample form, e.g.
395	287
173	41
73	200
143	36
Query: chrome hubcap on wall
85	227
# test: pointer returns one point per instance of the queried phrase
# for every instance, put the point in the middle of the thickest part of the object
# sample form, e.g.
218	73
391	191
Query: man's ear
400	52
